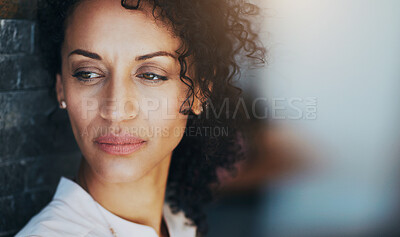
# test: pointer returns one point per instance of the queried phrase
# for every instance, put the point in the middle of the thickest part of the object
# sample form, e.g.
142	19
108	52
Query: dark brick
27	9
8	233
18	9
16	36
35	148
46	171
36	140
27	130
17	210
8	8
20	108
41	176
33	74
22	72
10	73
12	177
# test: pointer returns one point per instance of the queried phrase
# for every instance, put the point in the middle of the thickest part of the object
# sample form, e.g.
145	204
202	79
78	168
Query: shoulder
70	213
56	219
178	224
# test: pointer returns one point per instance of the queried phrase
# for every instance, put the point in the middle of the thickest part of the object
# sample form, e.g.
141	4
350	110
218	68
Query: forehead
104	25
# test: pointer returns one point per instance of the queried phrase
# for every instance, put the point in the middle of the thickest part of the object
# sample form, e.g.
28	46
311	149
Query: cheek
81	116
164	118
167	135
163	112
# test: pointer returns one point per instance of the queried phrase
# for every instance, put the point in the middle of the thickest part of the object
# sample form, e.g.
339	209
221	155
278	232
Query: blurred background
331	143
324	157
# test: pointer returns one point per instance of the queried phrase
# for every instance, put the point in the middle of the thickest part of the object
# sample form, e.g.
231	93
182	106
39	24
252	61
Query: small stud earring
205	106
63	105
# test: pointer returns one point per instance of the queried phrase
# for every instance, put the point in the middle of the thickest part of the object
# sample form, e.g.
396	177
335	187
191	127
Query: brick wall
35	148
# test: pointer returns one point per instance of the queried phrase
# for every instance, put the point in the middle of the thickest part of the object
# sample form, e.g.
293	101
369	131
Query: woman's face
120	76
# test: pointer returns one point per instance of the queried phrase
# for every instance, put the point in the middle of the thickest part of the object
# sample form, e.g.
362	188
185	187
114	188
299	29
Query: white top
73	212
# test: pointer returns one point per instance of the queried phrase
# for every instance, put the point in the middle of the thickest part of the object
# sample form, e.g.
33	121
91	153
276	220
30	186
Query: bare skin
103	71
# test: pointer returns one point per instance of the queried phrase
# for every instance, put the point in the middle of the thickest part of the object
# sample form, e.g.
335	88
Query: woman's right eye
86	76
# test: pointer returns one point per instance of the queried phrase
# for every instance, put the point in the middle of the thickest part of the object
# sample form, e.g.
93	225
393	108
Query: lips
119	144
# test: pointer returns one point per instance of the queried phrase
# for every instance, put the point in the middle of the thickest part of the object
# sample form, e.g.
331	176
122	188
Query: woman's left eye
152	77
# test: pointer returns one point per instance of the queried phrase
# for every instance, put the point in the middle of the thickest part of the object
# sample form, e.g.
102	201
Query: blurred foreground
336	173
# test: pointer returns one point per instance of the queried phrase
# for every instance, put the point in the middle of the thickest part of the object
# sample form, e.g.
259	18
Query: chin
120	170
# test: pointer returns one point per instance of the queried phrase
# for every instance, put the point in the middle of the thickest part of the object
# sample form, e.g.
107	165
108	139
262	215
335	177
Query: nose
119	104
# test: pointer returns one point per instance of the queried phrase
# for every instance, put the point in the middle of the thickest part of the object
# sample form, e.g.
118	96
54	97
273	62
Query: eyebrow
155	54
138	58
85	53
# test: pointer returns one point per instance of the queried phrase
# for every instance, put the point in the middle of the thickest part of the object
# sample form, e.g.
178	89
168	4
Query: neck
122	199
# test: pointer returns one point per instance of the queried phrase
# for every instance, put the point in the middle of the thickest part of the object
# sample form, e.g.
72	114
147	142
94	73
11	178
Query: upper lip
119	139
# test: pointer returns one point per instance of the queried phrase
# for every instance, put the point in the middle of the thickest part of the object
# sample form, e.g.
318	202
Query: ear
197	105
59	88
199	99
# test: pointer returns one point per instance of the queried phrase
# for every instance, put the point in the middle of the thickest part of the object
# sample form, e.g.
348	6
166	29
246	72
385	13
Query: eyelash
161	78
79	75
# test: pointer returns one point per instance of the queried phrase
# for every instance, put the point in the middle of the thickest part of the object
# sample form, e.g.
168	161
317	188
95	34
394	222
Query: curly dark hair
217	34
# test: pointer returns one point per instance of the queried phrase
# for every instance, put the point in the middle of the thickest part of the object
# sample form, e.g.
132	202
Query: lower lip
117	149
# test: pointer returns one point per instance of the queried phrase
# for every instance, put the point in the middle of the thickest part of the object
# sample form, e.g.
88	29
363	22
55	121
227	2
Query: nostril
130	4
132	116
131	108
